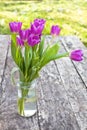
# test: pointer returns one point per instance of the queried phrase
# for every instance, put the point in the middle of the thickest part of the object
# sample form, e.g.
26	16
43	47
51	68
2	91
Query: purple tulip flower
77	55
38	26
40	21
19	41
55	30
33	40
24	34
15	27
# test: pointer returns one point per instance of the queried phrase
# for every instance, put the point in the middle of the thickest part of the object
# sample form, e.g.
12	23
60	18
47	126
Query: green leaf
35	61
17	54
13	47
60	56
28	56
50	52
34	75
13	36
20	60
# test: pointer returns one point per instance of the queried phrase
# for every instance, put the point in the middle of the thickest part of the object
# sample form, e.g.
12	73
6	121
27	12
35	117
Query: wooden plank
9	119
4	41
72	43
55	112
74	85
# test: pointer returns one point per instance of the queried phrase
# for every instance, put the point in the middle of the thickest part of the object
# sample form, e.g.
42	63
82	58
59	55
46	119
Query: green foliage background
70	15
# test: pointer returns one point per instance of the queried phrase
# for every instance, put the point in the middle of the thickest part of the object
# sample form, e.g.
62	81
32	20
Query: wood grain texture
55	112
62	98
74	83
71	43
4	41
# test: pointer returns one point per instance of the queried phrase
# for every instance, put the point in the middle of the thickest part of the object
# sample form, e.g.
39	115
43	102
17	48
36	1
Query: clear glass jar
27	100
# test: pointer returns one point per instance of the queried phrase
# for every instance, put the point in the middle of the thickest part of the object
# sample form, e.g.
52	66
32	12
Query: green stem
21	101
21	106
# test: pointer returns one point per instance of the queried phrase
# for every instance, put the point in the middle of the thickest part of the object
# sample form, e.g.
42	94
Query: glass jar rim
25	85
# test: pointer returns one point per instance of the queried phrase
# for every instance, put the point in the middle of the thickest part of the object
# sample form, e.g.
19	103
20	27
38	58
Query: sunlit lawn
70	15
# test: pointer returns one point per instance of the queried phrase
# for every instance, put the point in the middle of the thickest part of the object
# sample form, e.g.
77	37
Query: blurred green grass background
70	15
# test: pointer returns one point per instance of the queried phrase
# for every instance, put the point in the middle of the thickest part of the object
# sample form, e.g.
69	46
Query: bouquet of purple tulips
29	53
35	56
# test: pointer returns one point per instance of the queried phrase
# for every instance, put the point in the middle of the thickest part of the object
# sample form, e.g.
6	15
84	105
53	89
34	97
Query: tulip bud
15	27
77	55
55	30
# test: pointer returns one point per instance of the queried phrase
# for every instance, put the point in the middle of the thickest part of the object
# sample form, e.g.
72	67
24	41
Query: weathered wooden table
62	95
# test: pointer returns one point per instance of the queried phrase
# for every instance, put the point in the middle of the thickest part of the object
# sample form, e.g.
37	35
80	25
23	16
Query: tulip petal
19	41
